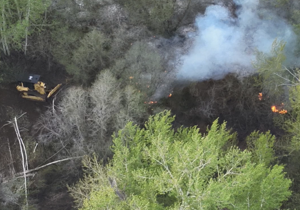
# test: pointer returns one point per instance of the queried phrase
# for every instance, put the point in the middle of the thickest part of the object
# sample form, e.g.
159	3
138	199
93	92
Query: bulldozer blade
53	90
34	98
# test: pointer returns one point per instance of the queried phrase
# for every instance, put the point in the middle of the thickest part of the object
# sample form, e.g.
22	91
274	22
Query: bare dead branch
23	155
11	159
292	74
48	164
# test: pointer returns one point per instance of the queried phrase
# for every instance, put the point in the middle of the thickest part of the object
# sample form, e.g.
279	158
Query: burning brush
150	102
260	96
277	109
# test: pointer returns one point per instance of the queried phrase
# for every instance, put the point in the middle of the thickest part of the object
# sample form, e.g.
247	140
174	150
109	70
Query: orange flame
274	109
170	95
150	102
260	96
282	111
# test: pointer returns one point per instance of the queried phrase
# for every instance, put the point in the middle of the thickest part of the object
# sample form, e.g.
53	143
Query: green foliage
18	20
133	108
141	67
292	125
91	55
290	143
261	146
152	13
156	167
65	41
269	67
90	166
83	55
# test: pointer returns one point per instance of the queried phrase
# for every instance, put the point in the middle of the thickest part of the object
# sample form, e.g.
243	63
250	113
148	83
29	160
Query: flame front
274	109
282	111
260	96
150	102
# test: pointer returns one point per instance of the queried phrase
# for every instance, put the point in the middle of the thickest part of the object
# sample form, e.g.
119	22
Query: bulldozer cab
33	89
29	80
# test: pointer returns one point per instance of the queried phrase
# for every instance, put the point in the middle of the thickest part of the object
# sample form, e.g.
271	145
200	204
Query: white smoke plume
226	44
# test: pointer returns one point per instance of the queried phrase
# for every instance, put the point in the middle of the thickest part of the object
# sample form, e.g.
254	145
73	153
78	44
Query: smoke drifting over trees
226	41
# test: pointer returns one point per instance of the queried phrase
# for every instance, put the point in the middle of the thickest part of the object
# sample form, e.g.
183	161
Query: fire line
274	109
260	96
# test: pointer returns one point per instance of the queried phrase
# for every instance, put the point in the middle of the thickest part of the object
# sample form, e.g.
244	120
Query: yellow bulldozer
33	89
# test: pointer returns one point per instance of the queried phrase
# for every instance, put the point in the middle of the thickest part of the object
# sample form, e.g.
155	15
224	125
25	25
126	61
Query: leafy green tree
288	146
270	68
18	19
280	81
261	146
156	167
82	55
292	124
90	56
142	67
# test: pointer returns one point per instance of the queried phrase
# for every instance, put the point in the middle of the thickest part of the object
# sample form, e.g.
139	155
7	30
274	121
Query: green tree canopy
142	67
292	124
270	68
156	167
83	55
16	20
